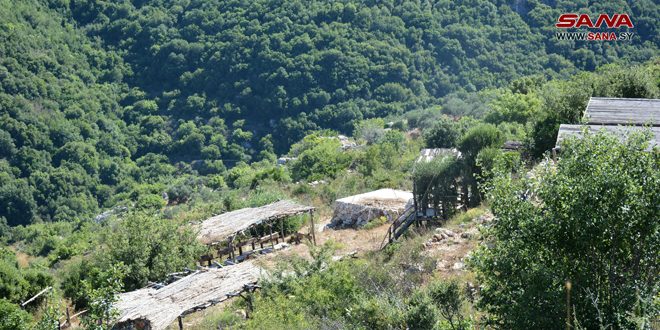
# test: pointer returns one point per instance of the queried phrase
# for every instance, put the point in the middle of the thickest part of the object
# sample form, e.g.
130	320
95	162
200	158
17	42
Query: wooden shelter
619	116
228	226
156	309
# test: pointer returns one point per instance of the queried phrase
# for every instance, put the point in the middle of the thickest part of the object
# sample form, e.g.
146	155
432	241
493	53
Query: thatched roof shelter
223	226
156	309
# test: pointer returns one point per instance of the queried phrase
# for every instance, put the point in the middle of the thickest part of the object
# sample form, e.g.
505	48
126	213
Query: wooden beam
311	218
36	296
180	323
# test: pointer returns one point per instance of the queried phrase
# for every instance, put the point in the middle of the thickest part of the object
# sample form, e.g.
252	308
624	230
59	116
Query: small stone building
358	210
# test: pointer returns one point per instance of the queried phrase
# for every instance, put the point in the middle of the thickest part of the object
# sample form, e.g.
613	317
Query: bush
421	314
589	221
324	160
447	297
370	130
12	317
150	202
216	182
443	134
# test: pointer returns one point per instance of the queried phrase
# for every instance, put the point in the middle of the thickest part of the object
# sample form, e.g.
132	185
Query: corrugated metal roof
622	132
622	111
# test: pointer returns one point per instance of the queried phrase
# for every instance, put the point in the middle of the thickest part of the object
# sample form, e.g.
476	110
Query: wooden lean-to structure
233	230
156	307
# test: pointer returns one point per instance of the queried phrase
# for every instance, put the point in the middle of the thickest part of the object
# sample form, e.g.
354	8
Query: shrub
150	202
12	317
589	221
421	314
443	134
324	160
447	297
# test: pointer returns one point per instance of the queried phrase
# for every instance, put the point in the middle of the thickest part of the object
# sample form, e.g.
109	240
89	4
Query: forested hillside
100	95
299	65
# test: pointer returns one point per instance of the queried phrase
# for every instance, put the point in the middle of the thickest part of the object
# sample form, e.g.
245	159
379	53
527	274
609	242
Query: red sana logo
567	21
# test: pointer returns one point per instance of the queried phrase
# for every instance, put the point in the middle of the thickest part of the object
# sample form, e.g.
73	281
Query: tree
443	134
12	317
471	143
149	248
79	153
17	203
513	107
447	297
101	313
324	160
585	228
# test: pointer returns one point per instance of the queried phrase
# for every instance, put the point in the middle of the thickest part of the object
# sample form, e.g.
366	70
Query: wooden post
68	318
415	198
231	248
270	227
282	228
311	218
240	248
180	323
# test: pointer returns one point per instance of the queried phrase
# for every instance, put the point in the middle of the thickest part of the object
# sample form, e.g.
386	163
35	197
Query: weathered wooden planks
201	289
225	225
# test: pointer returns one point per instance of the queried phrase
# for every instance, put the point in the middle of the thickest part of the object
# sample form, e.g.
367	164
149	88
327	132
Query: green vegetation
122	122
585	228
